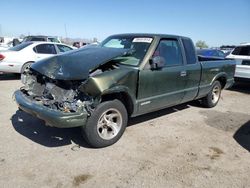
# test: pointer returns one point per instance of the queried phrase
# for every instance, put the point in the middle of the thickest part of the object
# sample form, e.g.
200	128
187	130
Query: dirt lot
184	146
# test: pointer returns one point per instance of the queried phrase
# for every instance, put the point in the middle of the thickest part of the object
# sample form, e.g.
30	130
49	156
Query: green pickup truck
98	87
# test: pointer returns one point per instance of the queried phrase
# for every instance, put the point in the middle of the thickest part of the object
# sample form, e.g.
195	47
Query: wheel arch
222	78
25	64
121	95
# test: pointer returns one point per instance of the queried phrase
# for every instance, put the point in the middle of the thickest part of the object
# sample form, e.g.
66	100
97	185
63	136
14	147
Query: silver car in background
242	56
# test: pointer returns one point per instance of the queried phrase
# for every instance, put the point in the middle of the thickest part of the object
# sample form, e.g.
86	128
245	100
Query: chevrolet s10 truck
98	87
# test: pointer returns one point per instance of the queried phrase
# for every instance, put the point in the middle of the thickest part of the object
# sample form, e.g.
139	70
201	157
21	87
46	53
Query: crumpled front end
58	102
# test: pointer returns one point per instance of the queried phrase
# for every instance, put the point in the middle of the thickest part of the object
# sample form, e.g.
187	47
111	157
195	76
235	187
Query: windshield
138	46
20	46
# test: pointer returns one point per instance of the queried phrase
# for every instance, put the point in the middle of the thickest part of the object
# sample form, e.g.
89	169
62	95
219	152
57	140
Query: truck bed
211	69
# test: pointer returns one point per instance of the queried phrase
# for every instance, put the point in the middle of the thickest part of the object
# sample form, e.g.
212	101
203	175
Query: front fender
117	80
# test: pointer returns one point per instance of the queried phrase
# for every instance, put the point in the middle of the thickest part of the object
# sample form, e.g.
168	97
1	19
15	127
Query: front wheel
213	96
106	124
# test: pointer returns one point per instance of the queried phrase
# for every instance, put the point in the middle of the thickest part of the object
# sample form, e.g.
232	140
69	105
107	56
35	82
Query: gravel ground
184	146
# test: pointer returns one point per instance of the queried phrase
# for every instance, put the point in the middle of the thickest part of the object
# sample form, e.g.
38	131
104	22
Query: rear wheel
213	96
25	66
106	124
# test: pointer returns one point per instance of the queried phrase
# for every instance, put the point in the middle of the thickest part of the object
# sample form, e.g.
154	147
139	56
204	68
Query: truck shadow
35	129
243	87
9	77
242	136
163	112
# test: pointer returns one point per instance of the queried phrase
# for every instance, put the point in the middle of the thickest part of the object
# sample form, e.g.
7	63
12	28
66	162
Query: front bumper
51	117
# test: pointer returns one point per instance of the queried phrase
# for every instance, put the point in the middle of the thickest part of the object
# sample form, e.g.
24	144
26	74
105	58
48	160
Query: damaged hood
77	64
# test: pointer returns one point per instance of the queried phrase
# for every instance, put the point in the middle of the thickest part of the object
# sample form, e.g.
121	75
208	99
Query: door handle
183	73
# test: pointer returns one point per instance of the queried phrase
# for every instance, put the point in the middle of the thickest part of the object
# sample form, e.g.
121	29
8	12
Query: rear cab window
189	51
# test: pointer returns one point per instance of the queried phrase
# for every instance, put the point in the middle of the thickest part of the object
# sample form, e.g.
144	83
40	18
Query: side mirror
157	63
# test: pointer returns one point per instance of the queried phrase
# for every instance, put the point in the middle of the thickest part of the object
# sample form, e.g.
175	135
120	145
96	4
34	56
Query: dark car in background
211	53
36	38
41	38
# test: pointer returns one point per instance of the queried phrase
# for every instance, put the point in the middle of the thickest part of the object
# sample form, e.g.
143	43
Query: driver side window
169	50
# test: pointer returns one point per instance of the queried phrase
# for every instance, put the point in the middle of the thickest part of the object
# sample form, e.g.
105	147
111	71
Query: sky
216	22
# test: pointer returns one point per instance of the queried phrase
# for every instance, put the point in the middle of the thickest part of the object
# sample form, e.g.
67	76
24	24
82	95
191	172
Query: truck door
165	86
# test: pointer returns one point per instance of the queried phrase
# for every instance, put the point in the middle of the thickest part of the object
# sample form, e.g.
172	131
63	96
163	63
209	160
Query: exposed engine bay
63	95
54	94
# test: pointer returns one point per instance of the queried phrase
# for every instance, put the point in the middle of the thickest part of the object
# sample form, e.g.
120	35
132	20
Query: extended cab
99	87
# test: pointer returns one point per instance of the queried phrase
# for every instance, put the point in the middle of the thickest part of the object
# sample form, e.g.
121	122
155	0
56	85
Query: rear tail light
1	57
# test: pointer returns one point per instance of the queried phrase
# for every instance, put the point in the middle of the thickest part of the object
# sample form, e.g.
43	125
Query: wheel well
25	64
222	81
28	62
123	97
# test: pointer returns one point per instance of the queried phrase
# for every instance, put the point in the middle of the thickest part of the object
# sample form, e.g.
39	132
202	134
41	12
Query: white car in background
242	56
5	43
4	47
17	58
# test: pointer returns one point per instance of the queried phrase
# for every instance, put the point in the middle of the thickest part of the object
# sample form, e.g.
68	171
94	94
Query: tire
25	66
213	96
106	124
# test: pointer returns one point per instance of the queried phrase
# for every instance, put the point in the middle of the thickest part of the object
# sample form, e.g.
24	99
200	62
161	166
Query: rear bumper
51	117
